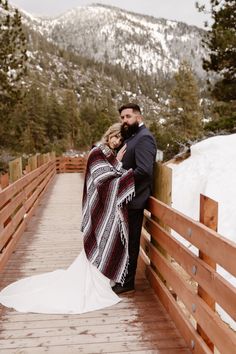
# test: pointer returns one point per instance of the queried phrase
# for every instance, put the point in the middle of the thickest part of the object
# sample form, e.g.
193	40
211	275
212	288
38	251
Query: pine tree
221	42
30	124
71	117
85	137
184	117
57	127
12	64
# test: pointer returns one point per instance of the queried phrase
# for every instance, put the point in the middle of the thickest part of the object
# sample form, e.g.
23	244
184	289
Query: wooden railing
177	274
18	201
21	191
183	281
65	164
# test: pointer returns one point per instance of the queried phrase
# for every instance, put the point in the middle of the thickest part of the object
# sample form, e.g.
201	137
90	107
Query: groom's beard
128	130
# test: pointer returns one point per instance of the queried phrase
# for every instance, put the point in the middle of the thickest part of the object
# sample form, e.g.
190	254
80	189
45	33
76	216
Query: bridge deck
138	324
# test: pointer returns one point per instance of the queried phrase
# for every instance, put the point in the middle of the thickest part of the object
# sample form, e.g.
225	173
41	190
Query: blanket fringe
124	238
125	272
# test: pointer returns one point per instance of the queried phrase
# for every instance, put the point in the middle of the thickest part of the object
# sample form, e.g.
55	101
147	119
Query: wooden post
40	160
48	157
163	183
209	217
32	162
52	155
4	180
15	169
162	190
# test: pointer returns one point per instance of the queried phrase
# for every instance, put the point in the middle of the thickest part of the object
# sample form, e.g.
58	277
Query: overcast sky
180	10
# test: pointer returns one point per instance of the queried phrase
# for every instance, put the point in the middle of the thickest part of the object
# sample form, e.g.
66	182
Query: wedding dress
75	290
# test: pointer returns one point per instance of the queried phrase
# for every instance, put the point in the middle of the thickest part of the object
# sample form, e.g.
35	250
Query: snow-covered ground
210	170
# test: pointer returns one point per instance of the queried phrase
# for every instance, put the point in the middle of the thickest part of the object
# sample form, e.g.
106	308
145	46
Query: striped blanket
107	189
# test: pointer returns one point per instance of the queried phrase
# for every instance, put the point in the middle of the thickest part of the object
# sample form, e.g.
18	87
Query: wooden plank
10	208
8	231
42	189
30	201
161	342
209	217
114	314
11	228
207	240
17	225
70	165
192	338
121	321
127	346
222	291
92	330
37	181
6	253
221	335
89	348
17	186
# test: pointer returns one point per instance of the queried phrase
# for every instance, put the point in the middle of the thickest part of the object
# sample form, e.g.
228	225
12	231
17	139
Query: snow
211	171
122	35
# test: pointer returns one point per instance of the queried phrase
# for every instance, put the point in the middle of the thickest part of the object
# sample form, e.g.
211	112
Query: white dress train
78	289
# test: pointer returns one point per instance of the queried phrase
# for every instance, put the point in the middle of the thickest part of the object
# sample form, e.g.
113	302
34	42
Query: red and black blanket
107	189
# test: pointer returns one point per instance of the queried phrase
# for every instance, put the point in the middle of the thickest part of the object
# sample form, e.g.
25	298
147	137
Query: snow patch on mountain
143	43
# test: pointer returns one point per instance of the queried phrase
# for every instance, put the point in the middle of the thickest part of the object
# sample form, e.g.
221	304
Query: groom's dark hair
133	106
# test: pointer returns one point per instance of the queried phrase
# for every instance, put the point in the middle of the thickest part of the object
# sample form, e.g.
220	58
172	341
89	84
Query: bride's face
114	141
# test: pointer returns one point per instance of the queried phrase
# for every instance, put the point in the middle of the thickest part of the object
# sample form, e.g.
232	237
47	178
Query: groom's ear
139	118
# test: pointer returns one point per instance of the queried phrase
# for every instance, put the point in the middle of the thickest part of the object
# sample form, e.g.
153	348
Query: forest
41	115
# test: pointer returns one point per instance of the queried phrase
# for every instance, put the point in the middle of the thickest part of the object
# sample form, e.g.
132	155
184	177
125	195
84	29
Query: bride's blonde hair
113	130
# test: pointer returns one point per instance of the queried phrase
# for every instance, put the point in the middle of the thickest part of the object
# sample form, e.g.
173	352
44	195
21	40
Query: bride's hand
121	153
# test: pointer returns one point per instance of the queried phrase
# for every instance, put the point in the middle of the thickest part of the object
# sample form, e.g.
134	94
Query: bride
86	284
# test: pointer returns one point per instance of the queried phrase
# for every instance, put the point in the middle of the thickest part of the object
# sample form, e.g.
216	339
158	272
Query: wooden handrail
223	292
17	205
19	199
219	248
199	272
65	164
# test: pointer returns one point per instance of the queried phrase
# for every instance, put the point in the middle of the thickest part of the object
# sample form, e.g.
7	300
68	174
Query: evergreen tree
30	122
71	117
165	140
12	63
221	42
57	127
85	136
97	117
184	117
101	124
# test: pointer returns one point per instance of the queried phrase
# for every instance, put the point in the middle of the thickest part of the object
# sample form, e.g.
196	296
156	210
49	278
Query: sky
180	10
211	171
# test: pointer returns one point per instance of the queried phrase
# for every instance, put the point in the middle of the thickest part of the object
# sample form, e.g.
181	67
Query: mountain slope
136	42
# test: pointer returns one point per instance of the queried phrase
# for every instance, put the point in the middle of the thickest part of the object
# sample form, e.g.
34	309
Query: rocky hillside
110	35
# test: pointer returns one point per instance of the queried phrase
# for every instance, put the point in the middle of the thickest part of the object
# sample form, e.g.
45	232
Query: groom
140	156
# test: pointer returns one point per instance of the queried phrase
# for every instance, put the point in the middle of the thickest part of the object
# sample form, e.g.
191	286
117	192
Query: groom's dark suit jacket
140	156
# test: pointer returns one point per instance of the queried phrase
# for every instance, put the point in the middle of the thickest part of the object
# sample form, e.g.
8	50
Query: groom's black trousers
135	220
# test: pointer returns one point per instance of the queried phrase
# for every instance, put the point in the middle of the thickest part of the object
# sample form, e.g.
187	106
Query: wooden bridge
172	310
